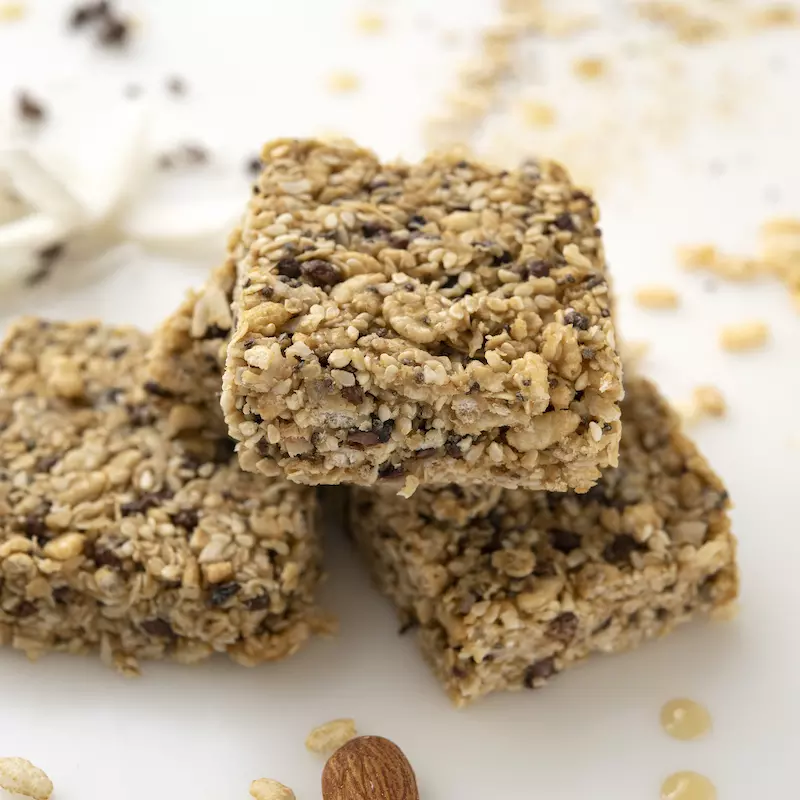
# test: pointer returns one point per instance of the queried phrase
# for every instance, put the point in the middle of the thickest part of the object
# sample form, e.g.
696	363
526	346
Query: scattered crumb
342	82
744	336
267	789
538	114
709	401
727	613
177	86
590	69
774	16
86	13
409	487
47	259
19	776
370	23
29	108
331	735
12	12
186	155
657	297
697	256
114	32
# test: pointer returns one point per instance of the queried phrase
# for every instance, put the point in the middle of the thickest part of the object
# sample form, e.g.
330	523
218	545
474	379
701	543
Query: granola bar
125	521
433	322
508	588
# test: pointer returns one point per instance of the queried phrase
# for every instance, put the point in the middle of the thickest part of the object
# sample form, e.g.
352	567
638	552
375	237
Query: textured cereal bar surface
126	523
509	587
438	321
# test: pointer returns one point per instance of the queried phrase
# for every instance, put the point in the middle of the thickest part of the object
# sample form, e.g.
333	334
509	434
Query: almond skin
369	768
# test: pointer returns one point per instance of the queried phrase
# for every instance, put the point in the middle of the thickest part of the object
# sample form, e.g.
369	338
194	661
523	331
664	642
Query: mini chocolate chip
426	452
538	671
321	273
257	603
563	627
157	627
215	332
389	470
564	222
29	108
537	269
564	541
61	595
223	592
186	518
23	609
107	558
156	389
576	319
46	463
363	438
452	449
35	528
353	394
504	258
619	549
372	229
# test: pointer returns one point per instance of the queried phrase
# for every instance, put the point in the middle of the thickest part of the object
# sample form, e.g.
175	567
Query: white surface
256	70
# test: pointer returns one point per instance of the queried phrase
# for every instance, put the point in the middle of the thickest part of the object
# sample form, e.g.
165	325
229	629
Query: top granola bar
439	321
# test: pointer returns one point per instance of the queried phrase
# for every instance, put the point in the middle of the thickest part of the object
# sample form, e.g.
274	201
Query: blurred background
129	135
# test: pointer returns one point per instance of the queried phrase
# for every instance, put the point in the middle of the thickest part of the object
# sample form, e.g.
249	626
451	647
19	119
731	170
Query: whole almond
369	768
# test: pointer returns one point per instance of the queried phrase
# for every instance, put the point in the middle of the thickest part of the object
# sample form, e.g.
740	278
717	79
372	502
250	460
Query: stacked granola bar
439	335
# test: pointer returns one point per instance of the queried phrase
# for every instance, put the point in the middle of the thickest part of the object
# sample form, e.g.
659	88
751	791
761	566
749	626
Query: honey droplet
688	786
684	719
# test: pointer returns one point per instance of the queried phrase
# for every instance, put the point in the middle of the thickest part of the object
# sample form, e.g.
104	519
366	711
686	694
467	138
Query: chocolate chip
371	229
504	258
61	595
186	518
156	389
426	452
258	603
35	528
415	222
23	609
288	268
46	463
157	627
452	449
564	541
563	627
537	269
29	108
353	394
564	222
388	471
538	671
577	320
363	438
619	549
223	592
107	558
321	273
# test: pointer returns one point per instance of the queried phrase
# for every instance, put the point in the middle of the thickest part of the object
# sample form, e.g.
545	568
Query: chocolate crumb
563	627
158	627
321	273
288	268
564	541
35	528
186	518
29	108
537	269
156	389
576	319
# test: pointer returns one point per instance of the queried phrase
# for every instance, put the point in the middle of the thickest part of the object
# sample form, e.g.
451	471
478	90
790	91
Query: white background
258	69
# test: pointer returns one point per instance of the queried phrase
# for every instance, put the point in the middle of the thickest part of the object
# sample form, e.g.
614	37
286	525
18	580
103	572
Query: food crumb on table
268	789
657	297
331	735
741	336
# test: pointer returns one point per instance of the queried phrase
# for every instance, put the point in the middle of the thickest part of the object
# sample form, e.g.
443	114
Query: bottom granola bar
508	588
125	521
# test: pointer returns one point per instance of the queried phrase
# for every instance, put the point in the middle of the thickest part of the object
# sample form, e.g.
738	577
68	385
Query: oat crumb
657	297
741	336
697	256
19	776
331	735
268	789
591	68
370	23
12	12
538	114
709	401
777	15
343	82
409	487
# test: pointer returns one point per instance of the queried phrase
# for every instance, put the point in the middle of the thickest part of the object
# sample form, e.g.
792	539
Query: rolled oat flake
19	776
